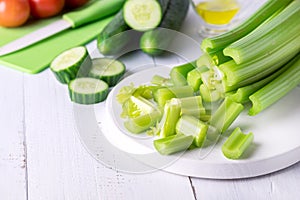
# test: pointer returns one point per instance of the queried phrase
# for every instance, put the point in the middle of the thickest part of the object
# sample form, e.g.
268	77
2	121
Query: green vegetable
213	44
115	36
162	95
277	88
88	90
189	125
268	37
142	122
179	74
243	93
169	119
142	15
194	77
161	81
225	115
173	144
190	106
156	41
249	72
236	144
108	70
70	64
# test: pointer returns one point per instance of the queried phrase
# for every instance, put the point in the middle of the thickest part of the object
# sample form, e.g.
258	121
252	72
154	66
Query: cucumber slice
108	70
86	90
142	15
71	63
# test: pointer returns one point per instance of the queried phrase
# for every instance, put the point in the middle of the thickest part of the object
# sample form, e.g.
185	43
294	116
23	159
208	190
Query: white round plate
276	140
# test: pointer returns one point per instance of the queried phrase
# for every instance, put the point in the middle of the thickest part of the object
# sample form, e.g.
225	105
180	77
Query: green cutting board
37	57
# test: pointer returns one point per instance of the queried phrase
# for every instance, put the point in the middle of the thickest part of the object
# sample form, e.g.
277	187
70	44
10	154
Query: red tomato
14	12
75	3
46	8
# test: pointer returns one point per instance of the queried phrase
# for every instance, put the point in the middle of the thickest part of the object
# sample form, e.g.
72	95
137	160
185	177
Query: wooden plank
279	185
13	182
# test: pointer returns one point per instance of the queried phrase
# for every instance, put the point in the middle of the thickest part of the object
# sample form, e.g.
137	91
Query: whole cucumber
156	41
114	37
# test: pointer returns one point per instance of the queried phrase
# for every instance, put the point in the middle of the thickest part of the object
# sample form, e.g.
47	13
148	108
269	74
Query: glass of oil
215	16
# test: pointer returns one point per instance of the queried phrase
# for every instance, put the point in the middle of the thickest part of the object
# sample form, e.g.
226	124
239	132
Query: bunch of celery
257	62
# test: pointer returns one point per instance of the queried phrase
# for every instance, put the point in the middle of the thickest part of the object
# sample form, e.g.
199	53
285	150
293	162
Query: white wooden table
41	156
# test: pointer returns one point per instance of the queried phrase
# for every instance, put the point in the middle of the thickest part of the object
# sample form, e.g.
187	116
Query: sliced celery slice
178	74
170	118
236	144
173	144
189	125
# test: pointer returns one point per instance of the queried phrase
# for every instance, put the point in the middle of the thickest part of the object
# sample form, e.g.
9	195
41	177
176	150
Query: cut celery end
236	144
194	77
277	88
190	105
162	95
143	122
189	125
221	41
205	60
226	114
171	116
173	144
178	74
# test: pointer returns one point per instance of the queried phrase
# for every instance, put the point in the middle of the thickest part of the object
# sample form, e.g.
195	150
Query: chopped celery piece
210	95
170	117
125	93
243	93
194	77
224	116
161	81
173	144
130	90
268	37
221	41
178	74
236	144
190	105
136	106
277	88
143	122
162	95
218	57
252	71
189	125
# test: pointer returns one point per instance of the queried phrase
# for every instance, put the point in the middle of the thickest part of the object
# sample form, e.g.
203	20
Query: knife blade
92	12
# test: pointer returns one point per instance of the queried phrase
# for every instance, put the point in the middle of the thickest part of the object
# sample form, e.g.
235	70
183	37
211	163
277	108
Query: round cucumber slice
108	70
86	90
142	15
71	63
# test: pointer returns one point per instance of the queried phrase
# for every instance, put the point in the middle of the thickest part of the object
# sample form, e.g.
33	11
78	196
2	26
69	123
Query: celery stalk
161	81
277	88
236	144
173	144
189	125
162	95
210	95
243	93
178	74
190	106
171	115
226	114
268	37
194	77
142	122
249	72
257	18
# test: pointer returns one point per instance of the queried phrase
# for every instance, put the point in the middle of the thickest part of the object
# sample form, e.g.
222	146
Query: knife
92	12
